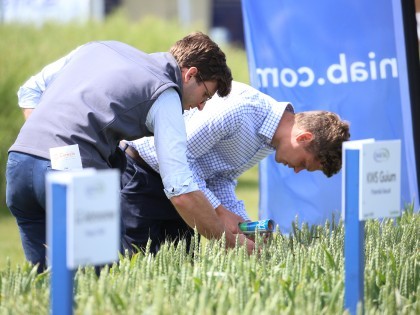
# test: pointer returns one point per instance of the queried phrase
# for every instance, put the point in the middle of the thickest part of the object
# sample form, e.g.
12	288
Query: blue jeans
25	198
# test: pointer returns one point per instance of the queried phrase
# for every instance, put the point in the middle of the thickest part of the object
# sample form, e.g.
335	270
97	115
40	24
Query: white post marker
83	227
371	189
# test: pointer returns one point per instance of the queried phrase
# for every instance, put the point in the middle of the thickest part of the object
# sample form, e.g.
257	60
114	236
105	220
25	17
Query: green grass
10	246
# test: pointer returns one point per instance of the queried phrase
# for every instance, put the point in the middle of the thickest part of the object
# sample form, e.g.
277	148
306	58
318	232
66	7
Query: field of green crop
301	273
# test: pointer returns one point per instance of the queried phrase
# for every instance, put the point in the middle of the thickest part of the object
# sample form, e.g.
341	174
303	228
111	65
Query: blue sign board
343	56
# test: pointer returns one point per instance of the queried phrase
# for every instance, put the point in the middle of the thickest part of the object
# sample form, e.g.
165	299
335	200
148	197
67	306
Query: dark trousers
146	212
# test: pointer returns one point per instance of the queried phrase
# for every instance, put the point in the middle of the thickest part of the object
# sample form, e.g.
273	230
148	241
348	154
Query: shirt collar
271	121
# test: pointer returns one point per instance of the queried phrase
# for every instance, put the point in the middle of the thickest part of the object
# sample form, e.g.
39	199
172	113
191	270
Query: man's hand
197	212
229	219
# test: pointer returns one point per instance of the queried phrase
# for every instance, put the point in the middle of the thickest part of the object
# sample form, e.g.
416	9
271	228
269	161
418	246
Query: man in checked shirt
228	137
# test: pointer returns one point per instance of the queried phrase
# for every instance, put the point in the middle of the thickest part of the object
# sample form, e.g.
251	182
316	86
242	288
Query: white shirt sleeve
31	91
165	120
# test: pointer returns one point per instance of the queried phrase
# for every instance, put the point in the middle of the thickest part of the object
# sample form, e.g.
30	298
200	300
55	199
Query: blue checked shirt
228	137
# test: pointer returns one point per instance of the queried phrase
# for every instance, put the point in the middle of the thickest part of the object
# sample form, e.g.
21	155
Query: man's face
195	92
292	153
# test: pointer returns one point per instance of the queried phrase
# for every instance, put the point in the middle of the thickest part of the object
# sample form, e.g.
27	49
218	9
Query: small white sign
66	158
93	218
380	180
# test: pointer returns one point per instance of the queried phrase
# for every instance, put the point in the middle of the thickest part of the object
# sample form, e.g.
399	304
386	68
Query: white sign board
93	215
380	180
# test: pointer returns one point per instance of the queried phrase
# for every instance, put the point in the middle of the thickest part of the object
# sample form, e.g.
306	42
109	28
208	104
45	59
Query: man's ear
304	136
189	73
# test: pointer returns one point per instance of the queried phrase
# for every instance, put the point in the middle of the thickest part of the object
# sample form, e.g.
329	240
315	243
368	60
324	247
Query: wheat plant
295	274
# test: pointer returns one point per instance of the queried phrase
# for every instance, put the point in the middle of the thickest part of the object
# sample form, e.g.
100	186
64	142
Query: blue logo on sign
381	155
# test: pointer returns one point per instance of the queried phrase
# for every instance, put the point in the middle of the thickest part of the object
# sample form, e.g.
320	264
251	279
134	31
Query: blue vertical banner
343	56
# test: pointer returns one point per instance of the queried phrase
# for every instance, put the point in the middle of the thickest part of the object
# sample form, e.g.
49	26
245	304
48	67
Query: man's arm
31	91
197	212
27	112
220	192
224	189
229	219
167	123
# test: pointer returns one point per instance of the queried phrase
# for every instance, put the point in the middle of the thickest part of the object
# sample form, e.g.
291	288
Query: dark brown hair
198	50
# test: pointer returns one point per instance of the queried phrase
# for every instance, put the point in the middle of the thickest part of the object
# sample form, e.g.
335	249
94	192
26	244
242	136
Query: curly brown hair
329	133
198	50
